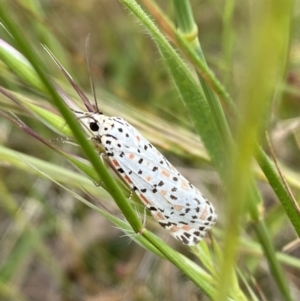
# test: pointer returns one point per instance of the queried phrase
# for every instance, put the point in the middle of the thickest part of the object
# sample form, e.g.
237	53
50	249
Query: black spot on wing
183	223
183	239
111	136
188	235
195	199
195	240
167	225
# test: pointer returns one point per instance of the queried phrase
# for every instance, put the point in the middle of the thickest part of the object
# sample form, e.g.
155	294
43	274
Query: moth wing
175	203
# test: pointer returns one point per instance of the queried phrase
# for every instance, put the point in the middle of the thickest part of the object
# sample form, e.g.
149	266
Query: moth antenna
63	140
96	200
92	83
81	94
68	100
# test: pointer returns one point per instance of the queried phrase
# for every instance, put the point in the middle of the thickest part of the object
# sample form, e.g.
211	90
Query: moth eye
94	126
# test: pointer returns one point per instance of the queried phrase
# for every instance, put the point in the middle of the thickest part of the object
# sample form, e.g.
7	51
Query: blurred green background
55	248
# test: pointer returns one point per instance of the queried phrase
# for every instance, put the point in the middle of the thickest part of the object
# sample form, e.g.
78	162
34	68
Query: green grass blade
86	145
275	181
20	65
195	273
188	29
265	68
189	32
188	88
195	55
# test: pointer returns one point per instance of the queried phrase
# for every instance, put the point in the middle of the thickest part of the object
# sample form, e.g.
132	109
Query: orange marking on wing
159	216
178	207
115	163
127	179
204	214
148	178
184	185
186	228
131	156
174	229
143	198
138	138
165	173
163	192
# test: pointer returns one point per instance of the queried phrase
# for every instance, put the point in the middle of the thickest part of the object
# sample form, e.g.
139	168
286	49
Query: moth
172	200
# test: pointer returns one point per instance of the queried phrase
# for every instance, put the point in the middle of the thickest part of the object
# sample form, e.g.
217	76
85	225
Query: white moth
172	200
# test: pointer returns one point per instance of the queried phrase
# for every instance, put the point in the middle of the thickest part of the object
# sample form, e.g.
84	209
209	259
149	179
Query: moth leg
61	139
66	140
102	155
131	193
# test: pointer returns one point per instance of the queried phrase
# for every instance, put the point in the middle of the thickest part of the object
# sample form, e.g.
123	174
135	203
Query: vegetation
62	235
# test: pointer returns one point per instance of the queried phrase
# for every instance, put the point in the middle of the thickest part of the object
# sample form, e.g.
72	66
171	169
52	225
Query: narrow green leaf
188	88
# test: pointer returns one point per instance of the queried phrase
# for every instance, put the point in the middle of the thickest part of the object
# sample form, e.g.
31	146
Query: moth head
90	121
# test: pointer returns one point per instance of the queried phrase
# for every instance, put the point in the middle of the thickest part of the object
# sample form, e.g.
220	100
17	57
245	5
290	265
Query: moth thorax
105	123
